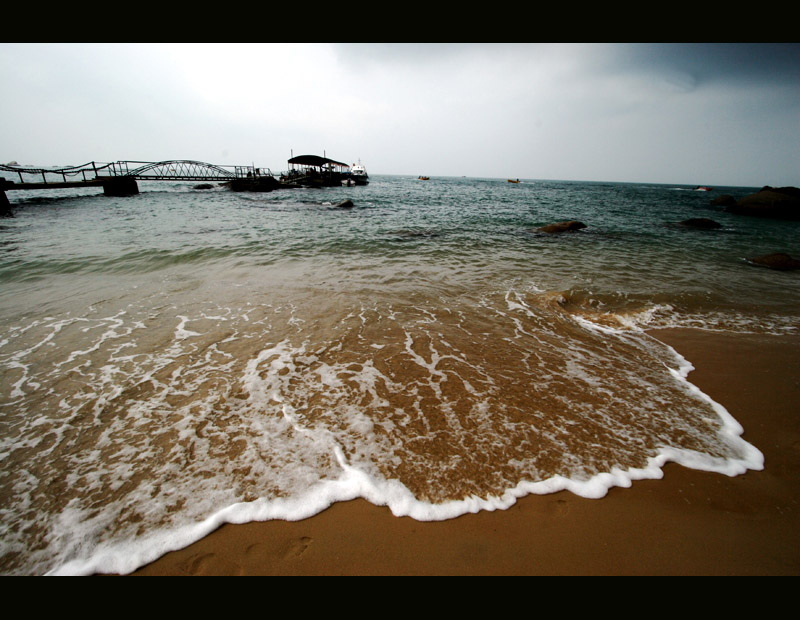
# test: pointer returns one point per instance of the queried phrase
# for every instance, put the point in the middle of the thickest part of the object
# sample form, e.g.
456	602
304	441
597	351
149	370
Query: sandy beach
688	523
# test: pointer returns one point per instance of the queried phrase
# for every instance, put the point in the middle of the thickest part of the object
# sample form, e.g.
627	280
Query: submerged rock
778	203
700	222
560	227
345	204
409	233
778	260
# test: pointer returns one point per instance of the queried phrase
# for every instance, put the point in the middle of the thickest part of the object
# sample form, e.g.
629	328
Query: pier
121	178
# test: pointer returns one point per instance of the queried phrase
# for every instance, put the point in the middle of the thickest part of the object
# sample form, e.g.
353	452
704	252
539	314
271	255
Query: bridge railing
67	174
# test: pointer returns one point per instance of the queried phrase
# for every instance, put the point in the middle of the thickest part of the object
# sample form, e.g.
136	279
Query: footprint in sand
560	507
210	564
287	551
297	548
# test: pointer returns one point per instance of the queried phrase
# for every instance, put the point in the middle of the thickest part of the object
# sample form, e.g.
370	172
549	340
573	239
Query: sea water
182	358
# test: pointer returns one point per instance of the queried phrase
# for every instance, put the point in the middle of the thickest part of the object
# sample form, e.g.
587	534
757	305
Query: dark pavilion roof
314	160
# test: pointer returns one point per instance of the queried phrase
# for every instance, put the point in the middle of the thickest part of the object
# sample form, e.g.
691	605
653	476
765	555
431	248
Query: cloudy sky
715	114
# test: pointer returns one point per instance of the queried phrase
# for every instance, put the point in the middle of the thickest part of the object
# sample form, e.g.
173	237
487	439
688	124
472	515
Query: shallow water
182	358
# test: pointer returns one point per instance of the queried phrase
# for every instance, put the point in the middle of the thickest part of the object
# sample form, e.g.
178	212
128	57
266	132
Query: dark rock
560	227
345	204
778	260
726	200
5	206
120	186
700	222
779	203
789	191
204	186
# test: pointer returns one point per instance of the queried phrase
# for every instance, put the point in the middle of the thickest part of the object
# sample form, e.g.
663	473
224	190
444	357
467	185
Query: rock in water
778	260
560	227
345	204
778	203
700	222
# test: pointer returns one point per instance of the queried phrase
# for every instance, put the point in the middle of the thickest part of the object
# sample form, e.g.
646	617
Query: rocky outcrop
560	227
778	260
778	203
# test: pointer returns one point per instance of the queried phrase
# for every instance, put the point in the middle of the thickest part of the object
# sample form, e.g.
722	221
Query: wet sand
688	523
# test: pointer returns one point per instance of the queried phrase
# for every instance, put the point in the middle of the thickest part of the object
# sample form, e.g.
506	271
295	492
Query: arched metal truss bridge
95	173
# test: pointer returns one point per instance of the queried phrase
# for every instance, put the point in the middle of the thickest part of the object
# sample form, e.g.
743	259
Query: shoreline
687	523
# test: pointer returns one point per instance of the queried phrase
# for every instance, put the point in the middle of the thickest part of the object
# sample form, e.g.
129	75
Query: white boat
358	174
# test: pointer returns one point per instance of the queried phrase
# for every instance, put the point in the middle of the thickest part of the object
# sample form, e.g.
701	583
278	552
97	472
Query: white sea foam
181	332
266	379
126	556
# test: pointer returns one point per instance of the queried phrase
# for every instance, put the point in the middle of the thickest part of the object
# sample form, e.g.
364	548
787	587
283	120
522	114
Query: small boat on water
702	188
513	180
358	174
424	178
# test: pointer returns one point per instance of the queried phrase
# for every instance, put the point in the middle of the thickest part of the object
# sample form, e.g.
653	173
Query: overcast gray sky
715	114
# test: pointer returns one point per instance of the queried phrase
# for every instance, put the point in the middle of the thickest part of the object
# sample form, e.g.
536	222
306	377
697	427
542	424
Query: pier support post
5	206
120	186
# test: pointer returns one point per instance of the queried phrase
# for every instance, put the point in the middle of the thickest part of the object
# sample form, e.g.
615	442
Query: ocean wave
147	424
